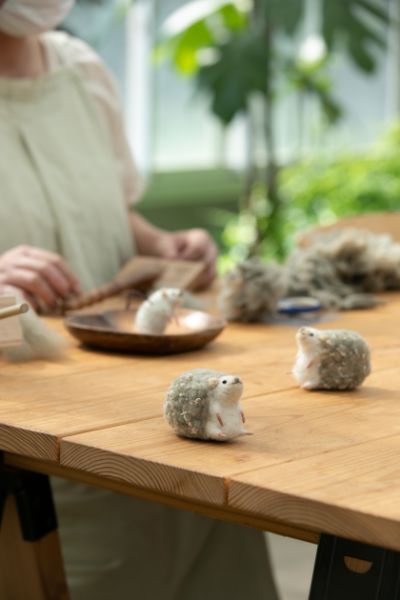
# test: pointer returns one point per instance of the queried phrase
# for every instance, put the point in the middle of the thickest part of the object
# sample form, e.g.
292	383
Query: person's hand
191	244
41	276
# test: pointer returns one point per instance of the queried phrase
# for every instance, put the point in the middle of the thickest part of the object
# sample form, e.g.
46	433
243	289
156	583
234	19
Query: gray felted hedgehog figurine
251	291
204	404
335	359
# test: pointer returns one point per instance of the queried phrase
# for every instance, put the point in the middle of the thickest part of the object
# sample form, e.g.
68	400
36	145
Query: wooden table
317	462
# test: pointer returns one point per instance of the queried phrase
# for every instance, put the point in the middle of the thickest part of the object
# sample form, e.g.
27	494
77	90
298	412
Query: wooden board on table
10	328
379	223
108	420
41	402
351	492
285	472
35	412
174	273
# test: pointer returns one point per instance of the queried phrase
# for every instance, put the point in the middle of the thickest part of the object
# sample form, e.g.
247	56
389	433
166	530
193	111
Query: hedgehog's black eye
224	381
310	333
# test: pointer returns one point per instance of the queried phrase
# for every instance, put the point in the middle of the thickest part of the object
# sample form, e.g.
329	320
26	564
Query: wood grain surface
379	223
317	462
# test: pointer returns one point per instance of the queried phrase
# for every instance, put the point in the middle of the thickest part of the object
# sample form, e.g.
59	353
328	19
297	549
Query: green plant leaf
233	18
191	32
279	14
323	188
187	46
363	58
239	72
346	20
375	10
183	49
190	14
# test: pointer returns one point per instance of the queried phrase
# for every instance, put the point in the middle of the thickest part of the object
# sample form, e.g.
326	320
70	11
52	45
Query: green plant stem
267	226
250	178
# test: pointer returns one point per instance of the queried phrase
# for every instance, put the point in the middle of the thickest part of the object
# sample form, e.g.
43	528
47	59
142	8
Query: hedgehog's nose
237	380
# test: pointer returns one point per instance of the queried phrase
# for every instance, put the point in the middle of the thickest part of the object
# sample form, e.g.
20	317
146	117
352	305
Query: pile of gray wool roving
340	268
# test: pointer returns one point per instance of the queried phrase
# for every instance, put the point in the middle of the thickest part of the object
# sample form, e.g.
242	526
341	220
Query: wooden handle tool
139	280
15	309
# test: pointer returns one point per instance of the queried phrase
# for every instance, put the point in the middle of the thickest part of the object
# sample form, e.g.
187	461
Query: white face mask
21	18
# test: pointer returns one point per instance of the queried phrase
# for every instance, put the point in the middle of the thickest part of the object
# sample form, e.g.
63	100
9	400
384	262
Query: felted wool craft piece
154	313
340	268
39	341
204	404
250	292
334	359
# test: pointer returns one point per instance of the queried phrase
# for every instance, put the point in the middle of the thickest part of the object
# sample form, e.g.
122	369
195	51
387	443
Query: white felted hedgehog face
307	338
228	388
173	295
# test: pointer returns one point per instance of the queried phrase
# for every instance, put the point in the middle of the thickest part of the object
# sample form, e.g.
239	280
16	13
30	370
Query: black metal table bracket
347	570
34	501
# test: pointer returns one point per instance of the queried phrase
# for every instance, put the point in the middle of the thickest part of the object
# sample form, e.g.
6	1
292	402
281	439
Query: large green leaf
354	23
375	9
233	18
191	13
316	83
239	72
188	32
286	15
185	47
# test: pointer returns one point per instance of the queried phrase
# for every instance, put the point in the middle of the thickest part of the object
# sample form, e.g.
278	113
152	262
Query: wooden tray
114	330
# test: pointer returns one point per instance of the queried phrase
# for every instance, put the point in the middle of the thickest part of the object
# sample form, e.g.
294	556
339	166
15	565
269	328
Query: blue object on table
298	304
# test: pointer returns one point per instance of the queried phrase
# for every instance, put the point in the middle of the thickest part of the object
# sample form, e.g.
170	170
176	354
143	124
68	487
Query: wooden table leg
353	571
31	563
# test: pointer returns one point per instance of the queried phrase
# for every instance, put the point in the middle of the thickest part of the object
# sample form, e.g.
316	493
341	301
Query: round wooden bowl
115	330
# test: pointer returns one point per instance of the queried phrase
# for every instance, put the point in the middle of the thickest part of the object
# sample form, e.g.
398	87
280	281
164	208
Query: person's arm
186	244
42	277
190	244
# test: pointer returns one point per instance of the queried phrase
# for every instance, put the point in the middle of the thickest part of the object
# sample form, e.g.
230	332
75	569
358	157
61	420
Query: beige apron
60	190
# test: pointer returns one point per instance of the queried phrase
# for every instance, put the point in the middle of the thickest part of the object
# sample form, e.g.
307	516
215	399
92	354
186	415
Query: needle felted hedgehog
154	313
204	404
335	359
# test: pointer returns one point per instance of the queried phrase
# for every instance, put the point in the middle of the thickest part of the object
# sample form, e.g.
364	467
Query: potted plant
242	54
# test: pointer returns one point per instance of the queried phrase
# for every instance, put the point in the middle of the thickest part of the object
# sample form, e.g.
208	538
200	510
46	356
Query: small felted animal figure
250	292
154	313
335	359
342	268
204	404
38	341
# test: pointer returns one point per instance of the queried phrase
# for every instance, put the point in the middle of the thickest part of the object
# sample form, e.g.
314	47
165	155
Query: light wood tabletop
317	462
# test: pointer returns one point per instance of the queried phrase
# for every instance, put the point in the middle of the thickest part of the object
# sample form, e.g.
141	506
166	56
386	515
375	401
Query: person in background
65	107
67	186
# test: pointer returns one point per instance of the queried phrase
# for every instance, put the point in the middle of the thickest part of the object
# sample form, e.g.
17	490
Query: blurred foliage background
245	57
240	53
